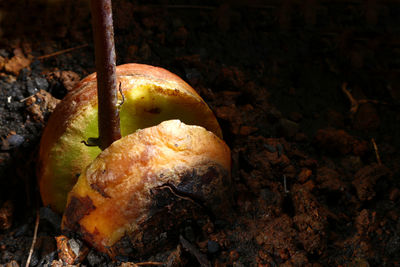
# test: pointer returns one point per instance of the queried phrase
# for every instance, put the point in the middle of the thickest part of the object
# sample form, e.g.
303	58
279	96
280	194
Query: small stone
41	83
212	246
74	245
15	140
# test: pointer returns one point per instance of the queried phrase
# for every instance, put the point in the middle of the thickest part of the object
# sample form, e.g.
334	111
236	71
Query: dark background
273	73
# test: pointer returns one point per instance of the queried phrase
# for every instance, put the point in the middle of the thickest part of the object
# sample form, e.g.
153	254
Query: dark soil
310	187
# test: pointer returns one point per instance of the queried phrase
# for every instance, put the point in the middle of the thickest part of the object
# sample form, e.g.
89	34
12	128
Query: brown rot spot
156	230
99	190
76	210
201	179
206	185
161	91
153	110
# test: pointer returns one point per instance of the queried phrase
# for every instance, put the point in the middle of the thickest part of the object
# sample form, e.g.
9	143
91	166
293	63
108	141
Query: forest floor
307	95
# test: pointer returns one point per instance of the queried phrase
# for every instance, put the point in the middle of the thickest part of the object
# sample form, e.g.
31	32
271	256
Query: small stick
28	261
355	104
285	185
107	94
378	158
26	98
62	52
353	101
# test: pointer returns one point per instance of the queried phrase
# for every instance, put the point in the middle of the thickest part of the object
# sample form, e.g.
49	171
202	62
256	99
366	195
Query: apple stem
107	94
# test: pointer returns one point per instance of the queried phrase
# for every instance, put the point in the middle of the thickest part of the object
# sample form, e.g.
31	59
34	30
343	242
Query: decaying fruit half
152	95
145	184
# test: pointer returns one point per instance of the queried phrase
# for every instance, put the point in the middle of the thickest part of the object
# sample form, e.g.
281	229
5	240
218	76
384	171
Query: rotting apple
151	95
146	184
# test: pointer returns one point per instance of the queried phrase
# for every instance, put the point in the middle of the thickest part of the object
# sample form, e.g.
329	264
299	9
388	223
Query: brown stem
103	32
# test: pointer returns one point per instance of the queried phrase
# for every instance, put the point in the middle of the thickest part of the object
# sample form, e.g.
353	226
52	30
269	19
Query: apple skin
147	184
152	95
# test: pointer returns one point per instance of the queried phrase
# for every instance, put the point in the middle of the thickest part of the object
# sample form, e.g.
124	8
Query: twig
378	158
26	98
285	184
353	101
28	261
107	94
62	52
355	104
